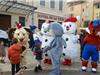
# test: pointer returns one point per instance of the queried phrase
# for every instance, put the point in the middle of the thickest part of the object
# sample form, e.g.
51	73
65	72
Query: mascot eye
23	34
70	25
46	40
65	25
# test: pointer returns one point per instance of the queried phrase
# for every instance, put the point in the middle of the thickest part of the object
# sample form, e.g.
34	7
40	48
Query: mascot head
94	27
44	28
21	33
55	29
69	25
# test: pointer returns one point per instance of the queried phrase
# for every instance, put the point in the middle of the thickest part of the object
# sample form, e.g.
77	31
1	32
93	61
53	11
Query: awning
75	2
16	7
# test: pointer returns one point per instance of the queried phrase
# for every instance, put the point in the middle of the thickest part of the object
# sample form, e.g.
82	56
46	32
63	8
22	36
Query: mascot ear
30	33
11	33
31	39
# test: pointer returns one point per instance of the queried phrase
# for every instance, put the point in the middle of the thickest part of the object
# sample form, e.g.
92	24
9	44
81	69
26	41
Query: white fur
71	50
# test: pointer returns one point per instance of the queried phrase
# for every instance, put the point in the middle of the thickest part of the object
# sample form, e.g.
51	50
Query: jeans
15	68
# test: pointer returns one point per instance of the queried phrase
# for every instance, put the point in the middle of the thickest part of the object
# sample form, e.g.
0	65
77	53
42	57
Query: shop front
47	17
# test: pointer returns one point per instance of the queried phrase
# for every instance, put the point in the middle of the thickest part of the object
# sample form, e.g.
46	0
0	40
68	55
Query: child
14	52
22	67
38	54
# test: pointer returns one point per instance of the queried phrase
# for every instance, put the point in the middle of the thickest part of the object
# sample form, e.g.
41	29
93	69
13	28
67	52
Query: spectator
14	55
82	35
2	52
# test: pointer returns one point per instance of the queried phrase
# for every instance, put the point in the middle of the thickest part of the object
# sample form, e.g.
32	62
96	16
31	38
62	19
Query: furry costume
91	46
70	53
45	39
56	47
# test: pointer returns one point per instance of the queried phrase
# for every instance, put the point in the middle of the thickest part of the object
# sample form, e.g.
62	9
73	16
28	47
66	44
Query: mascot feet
47	61
67	62
94	67
84	68
94	70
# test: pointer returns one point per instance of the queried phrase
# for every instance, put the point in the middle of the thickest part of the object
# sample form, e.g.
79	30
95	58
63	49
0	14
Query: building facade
24	11
49	10
86	9
12	11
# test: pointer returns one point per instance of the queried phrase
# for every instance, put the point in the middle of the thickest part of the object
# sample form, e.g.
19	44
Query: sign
51	17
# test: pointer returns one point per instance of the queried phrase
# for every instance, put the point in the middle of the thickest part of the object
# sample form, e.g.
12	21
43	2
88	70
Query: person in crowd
14	55
82	36
2	52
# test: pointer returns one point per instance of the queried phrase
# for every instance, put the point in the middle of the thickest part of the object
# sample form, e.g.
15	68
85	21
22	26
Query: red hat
19	25
72	19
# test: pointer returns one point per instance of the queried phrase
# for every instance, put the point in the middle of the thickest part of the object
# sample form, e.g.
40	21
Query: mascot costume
23	35
91	46
56	47
70	53
45	39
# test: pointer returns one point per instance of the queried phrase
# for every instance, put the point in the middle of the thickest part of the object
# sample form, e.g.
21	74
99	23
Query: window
52	3
22	20
71	8
86	23
99	15
71	15
40	22
60	4
98	6
42	2
60	22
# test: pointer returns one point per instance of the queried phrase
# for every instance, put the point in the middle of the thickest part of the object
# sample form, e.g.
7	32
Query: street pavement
63	72
74	69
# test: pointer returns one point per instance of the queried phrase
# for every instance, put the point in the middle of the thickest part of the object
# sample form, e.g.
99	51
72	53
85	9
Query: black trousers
15	68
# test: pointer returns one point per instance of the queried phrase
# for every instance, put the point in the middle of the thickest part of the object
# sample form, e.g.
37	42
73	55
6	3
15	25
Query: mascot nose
67	27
